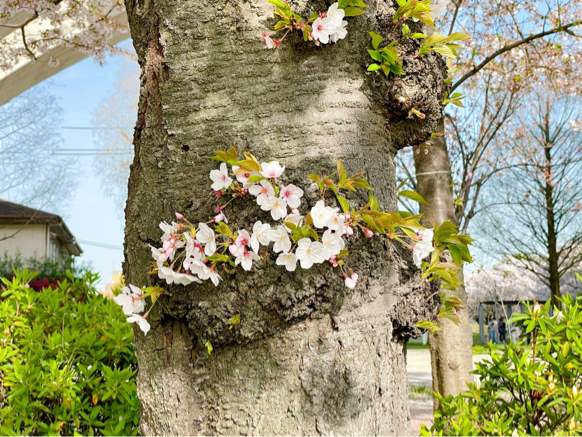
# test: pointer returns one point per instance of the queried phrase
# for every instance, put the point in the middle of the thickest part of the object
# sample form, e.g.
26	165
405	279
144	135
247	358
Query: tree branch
502	50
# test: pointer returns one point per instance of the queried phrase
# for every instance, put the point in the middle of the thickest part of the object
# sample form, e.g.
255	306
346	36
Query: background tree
546	29
307	357
113	122
510	282
536	216
31	170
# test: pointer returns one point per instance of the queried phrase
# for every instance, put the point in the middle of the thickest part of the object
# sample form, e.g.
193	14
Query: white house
34	233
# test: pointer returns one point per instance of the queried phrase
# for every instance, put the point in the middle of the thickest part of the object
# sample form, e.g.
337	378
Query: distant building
35	234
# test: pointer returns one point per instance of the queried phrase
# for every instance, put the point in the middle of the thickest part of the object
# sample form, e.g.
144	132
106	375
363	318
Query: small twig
26	45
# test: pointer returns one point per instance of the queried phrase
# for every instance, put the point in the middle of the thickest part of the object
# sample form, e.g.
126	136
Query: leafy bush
49	273
67	364
524	390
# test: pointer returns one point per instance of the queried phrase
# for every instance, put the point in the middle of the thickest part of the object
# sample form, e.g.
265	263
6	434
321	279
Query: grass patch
419	393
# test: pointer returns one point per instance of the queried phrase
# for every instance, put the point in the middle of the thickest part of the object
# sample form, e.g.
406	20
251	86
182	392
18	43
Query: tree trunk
450	348
553	257
309	356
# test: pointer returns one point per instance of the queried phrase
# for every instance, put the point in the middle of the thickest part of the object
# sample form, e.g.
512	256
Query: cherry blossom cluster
321	28
131	300
41	25
193	253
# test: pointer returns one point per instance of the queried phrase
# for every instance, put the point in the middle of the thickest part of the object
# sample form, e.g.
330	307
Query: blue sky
91	216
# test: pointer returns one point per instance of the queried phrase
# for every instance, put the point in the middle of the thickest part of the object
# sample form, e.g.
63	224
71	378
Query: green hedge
524	390
67	364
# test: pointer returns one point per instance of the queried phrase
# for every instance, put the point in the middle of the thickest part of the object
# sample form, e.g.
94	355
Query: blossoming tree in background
515	46
32	28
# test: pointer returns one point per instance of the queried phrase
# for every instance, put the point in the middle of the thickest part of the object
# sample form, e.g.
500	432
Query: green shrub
524	390
49	273
67	364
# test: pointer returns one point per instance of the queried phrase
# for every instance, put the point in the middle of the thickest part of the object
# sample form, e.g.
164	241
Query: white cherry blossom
170	245
336	223
272	170
322	28
220	178
281	239
243	178
243	238
190	244
322	214
292	195
260	235
214	277
309	252
172	277
246	259
333	243
277	207
168	230
130	299
423	247
294	218
159	255
206	236
289	260
340	32
141	321
204	272
236	250
263	191
335	14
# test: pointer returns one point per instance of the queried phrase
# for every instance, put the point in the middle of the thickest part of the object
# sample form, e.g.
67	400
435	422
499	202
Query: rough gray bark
309	356
450	348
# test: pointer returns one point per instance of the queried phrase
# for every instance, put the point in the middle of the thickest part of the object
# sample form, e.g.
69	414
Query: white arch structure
28	73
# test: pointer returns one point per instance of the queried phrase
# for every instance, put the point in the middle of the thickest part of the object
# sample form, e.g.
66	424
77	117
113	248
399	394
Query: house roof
15	214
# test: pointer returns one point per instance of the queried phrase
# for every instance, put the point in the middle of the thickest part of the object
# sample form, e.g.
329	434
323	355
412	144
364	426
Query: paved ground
419	373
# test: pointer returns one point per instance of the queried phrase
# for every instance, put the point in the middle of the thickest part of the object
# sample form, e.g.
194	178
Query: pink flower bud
220	218
349	231
351	282
401	99
243	190
368	233
470	175
179	216
218	193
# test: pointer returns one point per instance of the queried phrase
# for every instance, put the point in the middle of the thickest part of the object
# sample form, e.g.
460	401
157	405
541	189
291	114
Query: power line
94	128
103	245
90	152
